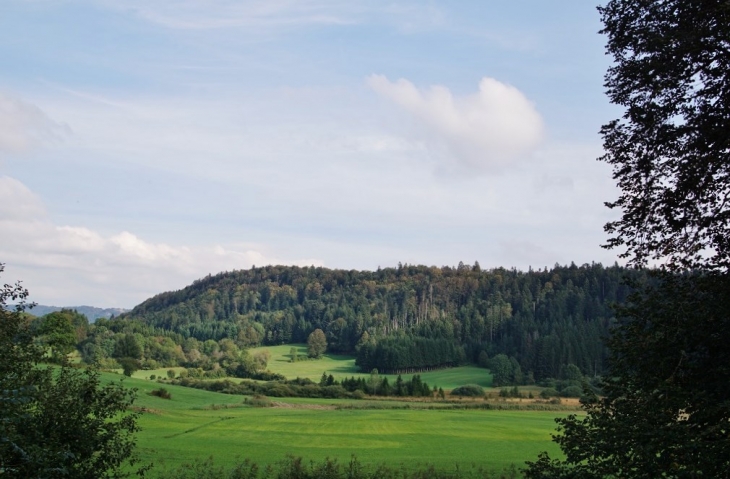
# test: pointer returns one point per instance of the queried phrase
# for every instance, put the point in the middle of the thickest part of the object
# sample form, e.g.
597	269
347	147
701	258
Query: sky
147	143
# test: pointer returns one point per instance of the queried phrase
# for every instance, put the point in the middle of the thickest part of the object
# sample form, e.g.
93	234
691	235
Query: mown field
201	424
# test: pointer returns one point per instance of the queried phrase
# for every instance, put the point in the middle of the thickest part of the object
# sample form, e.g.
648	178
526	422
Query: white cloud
24	126
70	264
482	132
17	201
263	15
198	14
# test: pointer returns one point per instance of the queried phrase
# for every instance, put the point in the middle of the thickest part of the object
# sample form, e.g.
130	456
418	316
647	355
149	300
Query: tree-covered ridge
91	312
545	318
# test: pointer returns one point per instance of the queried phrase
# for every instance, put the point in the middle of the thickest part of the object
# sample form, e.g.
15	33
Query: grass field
189	426
342	366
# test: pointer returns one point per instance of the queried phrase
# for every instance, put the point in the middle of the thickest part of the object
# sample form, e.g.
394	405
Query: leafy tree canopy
316	343
665	409
671	150
56	422
58	334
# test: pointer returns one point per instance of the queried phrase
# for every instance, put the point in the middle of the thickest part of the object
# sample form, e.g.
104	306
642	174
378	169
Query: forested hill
545	319
91	312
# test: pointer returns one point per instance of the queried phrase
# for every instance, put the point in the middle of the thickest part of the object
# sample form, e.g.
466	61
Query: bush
468	390
161	393
549	393
259	400
572	392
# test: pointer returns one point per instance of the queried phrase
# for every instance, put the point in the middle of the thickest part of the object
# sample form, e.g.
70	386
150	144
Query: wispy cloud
24	126
196	14
481	132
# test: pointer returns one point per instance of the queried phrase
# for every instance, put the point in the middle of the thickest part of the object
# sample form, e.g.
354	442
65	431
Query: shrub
548	393
468	390
161	393
572	392
259	400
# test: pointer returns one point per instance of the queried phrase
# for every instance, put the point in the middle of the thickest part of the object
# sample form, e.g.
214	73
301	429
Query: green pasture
199	424
343	366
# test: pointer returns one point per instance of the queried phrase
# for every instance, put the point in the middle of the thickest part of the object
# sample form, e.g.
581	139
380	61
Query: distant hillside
90	312
543	319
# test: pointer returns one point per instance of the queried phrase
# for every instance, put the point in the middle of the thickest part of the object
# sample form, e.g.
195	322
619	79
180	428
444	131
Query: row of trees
408	354
132	345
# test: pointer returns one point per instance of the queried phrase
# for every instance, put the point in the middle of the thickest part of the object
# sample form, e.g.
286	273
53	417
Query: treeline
544	319
408	354
328	387
132	345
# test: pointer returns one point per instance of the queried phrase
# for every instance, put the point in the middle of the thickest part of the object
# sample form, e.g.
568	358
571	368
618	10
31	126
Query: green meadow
342	366
201	424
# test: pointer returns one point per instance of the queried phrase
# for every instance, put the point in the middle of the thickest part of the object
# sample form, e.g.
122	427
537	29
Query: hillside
543	319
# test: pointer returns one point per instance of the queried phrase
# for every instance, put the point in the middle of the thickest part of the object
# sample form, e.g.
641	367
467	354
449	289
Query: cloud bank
69	264
483	132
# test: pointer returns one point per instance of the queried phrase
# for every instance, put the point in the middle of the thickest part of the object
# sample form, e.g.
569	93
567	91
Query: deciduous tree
316	344
58	334
665	411
57	422
671	150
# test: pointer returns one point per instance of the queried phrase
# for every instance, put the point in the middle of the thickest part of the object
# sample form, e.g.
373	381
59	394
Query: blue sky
144	144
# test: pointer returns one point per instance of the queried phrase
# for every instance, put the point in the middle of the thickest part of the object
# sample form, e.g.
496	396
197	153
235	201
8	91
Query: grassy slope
186	427
341	366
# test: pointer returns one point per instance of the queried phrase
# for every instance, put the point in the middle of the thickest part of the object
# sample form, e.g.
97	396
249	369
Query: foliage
664	406
327	387
543	318
161	393
59	332
259	400
406	354
129	365
297	468
127	346
316	344
261	359
468	390
671	151
56	422
502	370
664	411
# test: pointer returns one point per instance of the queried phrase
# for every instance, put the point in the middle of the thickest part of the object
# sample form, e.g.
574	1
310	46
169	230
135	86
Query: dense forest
541	319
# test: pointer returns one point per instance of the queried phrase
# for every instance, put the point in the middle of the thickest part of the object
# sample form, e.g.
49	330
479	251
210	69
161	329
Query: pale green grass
343	366
159	372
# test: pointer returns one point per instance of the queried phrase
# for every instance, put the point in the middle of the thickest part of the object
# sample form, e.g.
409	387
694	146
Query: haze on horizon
144	145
